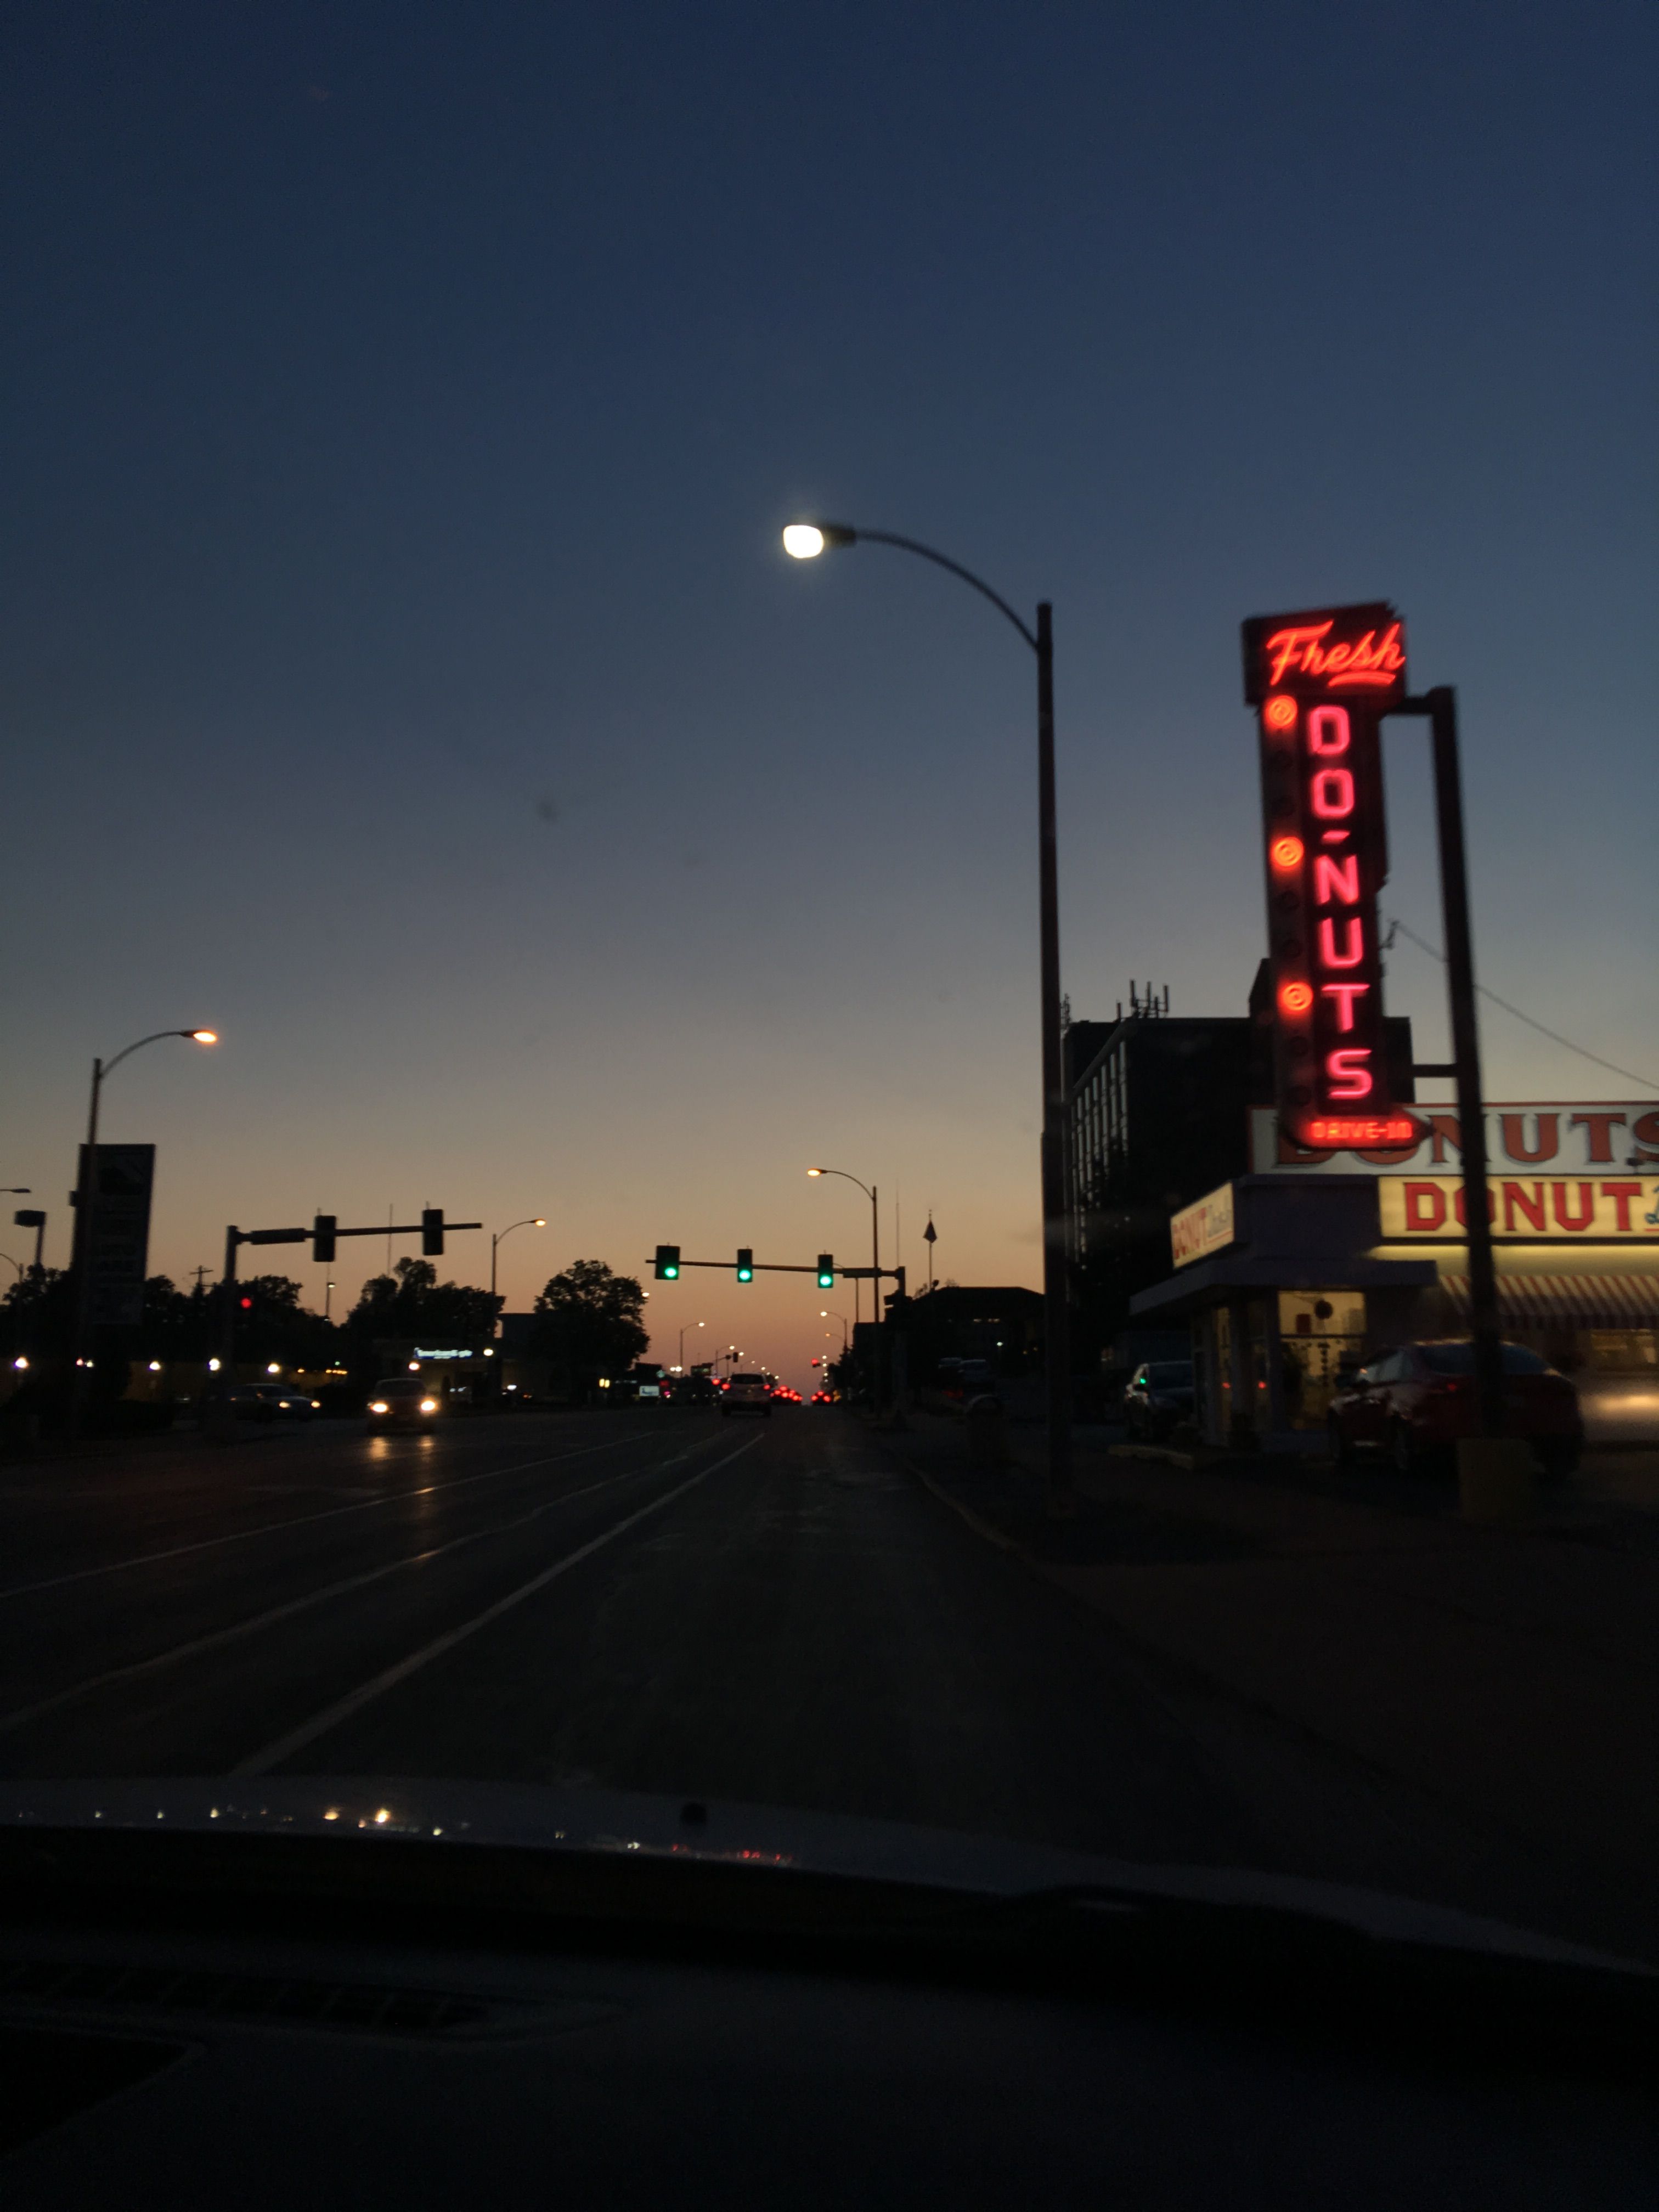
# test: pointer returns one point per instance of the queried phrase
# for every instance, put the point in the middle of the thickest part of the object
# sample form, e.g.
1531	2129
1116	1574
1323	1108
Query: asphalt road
777	1612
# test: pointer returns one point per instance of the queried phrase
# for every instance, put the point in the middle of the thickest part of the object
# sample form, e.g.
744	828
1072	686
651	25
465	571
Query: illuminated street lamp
687	1325
86	1207
806	541
869	1190
824	1314
536	1221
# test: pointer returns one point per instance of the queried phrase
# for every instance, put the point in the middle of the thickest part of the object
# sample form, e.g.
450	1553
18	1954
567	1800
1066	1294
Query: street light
869	1190
86	1207
536	1221
806	541
687	1325
824	1314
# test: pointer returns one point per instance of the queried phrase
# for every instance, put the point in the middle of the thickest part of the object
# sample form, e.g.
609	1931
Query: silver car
747	1394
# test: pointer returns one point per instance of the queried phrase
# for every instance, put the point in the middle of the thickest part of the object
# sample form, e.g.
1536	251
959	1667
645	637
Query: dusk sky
401	674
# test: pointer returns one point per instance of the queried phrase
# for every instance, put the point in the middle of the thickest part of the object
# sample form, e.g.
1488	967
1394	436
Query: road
779	1612
783	1613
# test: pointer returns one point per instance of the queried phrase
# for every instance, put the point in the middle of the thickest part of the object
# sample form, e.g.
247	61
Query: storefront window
1321	1333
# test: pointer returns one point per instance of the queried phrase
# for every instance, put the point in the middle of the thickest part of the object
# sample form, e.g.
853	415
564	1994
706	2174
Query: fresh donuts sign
1320	684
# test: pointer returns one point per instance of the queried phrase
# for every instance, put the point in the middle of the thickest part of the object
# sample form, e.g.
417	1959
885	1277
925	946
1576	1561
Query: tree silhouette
589	1323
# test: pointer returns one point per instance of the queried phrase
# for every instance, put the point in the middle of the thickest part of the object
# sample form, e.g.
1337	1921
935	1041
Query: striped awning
1567	1301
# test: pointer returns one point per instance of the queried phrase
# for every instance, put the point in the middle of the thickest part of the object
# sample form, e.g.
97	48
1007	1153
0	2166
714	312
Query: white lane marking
305	1520
238	1629
272	1755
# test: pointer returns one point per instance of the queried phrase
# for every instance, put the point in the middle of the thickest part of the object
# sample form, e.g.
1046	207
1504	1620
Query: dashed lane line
272	1755
305	1520
216	1639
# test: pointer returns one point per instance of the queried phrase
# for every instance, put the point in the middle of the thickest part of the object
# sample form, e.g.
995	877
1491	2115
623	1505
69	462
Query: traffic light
826	1271
745	1264
432	1231
322	1237
668	1263
245	1303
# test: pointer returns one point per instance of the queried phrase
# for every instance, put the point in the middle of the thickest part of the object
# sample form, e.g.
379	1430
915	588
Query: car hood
385	1813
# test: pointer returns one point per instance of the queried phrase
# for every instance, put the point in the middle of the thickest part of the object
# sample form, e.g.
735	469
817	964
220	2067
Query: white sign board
1559	1209
1555	1139
1204	1227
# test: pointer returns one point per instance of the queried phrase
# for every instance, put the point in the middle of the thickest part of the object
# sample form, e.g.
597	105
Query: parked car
1158	1395
747	1394
403	1401
1412	1404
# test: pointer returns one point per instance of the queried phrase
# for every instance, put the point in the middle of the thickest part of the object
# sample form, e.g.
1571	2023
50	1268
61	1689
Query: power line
1554	1035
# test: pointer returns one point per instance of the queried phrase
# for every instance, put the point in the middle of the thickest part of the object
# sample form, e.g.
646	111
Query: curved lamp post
530	1221
869	1190
86	1208
804	541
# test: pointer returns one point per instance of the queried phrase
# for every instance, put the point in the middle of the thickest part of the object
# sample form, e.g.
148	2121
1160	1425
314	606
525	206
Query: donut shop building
1318	1260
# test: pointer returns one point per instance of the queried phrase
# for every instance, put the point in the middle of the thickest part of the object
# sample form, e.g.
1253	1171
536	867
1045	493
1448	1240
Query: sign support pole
1441	705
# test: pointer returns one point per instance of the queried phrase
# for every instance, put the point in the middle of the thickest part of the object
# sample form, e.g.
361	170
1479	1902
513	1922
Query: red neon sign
1319	683
1373	661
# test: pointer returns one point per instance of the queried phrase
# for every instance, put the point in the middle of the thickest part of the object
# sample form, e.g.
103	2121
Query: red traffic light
247	1305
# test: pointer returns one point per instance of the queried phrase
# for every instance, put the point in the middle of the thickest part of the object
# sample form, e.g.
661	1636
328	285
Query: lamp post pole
530	1221
869	1190
804	541
86	1210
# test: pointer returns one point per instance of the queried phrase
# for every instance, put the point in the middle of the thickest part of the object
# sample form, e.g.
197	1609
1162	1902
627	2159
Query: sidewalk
1512	1676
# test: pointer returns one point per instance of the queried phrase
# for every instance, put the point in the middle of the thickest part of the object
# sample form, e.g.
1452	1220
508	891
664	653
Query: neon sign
1319	683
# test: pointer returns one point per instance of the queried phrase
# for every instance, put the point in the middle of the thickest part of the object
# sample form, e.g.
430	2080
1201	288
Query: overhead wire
1555	1036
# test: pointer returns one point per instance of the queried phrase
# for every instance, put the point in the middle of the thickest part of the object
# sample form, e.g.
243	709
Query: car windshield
802	803
1458	1360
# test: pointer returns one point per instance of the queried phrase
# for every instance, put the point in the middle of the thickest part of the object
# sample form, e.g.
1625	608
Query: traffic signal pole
321	1237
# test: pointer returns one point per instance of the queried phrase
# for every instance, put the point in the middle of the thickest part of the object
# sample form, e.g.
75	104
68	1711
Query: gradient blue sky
400	672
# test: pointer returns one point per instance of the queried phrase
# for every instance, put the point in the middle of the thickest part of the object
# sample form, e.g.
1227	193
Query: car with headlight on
403	1401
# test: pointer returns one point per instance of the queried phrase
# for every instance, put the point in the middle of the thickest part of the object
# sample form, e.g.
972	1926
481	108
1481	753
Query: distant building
1158	1113
999	1323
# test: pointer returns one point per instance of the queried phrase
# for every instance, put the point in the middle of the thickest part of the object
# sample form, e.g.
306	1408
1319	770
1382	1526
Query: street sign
1320	684
120	1233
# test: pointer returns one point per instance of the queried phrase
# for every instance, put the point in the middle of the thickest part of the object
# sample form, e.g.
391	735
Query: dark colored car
403	1401
1158	1395
270	1402
1413	1403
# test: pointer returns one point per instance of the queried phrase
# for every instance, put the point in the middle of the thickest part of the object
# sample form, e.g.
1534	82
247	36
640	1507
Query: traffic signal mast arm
235	1238
760	1266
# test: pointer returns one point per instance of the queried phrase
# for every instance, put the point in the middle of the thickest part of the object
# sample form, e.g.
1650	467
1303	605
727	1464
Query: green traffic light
745	1264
